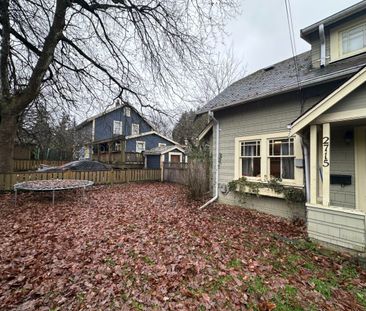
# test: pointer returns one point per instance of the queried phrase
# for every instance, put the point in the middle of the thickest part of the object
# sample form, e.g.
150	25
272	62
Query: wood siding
342	163
339	227
355	100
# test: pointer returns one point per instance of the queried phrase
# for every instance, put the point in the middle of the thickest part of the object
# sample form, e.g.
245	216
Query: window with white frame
353	39
140	146
161	145
117	127
127	111
250	154
135	129
282	158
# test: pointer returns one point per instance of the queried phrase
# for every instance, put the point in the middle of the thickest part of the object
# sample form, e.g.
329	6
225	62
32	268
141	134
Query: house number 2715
325	151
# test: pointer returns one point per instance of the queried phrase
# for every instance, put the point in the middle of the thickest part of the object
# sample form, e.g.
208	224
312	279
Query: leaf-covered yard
146	247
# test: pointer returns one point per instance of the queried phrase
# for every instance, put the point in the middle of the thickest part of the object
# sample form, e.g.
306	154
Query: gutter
216	176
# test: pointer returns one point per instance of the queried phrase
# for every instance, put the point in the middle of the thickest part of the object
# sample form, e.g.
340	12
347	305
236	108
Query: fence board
31	165
7	181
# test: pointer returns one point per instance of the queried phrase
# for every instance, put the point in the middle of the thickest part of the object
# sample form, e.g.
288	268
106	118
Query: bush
198	172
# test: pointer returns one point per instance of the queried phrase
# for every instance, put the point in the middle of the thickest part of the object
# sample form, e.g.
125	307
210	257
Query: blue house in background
119	136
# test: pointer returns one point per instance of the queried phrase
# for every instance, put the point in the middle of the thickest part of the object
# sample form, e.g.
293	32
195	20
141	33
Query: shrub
198	172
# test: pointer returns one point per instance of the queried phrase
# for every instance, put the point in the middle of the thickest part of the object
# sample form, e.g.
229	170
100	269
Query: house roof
162	150
108	110
152	133
281	78
328	102
341	15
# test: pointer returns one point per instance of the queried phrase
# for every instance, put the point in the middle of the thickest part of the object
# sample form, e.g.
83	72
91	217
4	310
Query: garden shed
156	157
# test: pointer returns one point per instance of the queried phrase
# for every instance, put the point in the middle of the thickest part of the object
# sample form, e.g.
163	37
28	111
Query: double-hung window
127	111
250	154
117	127
353	40
135	130
282	158
140	146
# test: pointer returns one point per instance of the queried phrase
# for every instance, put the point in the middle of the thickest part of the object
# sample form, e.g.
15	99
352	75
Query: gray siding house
301	122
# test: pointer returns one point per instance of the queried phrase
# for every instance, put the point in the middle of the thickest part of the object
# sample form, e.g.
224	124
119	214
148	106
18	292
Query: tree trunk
8	130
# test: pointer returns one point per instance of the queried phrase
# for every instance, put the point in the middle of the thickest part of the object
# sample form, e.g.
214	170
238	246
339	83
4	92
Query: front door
360	167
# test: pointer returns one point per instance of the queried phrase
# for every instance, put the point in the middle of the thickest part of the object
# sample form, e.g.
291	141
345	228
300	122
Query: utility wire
290	25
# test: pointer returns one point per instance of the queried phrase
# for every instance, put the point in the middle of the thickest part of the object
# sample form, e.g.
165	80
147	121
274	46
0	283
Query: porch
337	206
114	152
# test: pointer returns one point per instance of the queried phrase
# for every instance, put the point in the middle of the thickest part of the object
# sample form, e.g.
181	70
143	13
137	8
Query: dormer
339	36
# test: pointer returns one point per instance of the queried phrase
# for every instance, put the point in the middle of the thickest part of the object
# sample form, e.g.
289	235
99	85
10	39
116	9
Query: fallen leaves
145	246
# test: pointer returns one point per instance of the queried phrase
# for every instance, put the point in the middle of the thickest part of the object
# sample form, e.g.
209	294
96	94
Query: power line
290	25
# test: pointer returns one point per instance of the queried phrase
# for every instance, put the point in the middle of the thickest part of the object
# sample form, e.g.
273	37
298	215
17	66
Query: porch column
313	164
326	164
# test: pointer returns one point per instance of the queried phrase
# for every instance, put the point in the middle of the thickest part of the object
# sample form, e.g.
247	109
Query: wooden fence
7	181
32	165
175	172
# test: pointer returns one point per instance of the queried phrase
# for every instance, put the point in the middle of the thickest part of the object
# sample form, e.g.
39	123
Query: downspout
322	45
305	149
216	194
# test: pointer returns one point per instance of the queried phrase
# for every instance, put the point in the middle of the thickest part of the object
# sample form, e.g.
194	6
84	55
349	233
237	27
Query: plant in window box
244	188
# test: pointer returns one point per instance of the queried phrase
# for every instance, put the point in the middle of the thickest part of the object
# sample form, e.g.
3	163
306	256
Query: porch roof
328	102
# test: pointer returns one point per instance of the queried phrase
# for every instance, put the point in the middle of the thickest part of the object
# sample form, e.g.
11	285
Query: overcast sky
260	35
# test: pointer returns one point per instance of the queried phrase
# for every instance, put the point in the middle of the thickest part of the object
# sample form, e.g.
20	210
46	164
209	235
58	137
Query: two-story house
119	136
301	123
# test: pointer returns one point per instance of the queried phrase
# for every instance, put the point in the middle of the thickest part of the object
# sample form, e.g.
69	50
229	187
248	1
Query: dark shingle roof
281	78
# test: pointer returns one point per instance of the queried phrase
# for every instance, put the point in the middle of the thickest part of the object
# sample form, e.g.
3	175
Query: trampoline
52	185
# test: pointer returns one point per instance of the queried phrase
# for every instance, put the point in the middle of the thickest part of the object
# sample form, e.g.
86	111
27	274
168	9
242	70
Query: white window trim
336	52
140	142
127	111
120	125
254	178
161	144
298	172
175	153
138	129
285	181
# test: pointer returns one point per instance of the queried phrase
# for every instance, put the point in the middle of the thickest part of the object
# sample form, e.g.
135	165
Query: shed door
175	158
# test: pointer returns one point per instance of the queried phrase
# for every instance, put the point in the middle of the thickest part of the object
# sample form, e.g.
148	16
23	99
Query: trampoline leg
53	198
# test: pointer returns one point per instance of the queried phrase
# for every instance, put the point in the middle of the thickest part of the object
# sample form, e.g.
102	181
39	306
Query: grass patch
257	286
234	263
148	260
323	287
109	262
219	283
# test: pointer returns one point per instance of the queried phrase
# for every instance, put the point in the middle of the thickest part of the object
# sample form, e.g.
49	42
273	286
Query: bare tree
74	51
218	73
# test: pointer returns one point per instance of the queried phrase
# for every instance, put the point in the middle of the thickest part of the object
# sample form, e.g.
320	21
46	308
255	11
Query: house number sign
326	141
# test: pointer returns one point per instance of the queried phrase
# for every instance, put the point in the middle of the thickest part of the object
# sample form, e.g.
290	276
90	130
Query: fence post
111	177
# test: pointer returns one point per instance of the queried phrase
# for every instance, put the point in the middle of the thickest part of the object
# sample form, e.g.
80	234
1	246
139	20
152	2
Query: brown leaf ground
146	247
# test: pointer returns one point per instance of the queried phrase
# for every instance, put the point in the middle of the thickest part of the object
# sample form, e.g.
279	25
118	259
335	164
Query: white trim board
205	131
328	102
152	133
